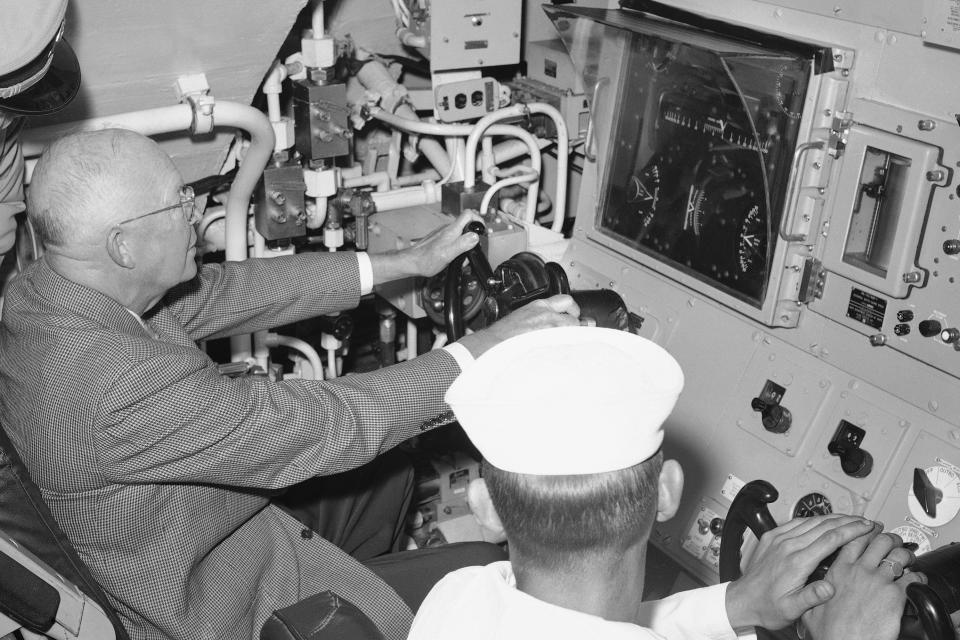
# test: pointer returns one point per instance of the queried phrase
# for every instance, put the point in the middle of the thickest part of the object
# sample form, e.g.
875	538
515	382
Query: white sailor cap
39	72
567	400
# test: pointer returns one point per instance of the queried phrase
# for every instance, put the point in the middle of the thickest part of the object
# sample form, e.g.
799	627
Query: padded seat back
25	518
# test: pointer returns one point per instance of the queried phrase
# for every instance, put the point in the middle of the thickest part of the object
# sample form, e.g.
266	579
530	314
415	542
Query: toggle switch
846	441
927	495
774	417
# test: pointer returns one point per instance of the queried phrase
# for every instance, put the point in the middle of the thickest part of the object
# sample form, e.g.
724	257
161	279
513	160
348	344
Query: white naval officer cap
567	400
39	72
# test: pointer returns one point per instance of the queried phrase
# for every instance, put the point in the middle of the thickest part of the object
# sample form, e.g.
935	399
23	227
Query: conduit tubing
376	77
526	176
563	150
149	122
308	352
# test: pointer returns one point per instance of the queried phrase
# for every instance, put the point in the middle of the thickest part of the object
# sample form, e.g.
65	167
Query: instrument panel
700	170
782	214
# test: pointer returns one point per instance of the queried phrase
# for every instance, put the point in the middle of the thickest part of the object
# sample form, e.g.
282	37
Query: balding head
88	181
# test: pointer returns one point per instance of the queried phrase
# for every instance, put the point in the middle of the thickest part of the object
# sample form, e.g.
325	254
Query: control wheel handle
749	509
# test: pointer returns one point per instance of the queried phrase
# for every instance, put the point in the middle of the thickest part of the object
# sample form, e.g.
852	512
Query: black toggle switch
929	328
905	315
855	461
927	495
774	417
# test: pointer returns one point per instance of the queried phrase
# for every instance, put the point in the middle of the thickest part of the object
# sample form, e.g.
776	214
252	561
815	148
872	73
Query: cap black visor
55	89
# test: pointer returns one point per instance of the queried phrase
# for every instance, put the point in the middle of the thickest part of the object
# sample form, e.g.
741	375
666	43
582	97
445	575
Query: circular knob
857	463
716	526
951	247
476	227
777	419
905	315
929	328
878	340
950	335
901	329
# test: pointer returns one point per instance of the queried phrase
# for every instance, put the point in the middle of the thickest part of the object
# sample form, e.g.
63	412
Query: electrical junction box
548	62
467	99
475	33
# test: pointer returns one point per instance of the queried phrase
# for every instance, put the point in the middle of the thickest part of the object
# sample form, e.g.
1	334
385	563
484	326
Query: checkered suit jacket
157	467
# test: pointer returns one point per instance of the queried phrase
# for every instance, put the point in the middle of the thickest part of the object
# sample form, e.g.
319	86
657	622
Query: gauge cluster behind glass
698	172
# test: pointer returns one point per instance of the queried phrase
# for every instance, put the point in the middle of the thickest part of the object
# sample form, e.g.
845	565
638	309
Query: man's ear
119	250
669	490
478	497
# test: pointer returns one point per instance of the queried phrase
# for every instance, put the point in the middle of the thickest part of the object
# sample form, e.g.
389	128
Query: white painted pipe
316	20
427	193
563	150
308	352
149	122
376	77
378	179
256	123
412	337
506	182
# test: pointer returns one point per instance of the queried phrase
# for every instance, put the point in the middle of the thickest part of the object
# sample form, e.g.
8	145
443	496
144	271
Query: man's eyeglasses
187	206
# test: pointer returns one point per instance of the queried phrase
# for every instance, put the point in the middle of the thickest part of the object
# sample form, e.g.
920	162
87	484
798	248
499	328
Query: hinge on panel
812	280
839	133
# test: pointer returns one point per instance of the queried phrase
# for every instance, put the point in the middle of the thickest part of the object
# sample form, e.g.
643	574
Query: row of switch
927	328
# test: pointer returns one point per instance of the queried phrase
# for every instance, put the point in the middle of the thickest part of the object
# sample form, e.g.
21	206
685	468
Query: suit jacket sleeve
698	614
261	293
176	419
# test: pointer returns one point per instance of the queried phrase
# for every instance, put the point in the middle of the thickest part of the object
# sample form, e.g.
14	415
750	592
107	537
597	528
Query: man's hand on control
869	586
771	592
430	255
557	311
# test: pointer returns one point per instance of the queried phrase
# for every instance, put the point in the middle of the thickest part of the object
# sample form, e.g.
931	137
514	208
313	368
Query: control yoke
927	614
489	294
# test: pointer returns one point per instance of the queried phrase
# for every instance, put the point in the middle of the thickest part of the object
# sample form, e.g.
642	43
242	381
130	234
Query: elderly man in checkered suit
158	468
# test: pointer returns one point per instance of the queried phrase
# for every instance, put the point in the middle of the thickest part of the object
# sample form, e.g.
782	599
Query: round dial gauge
644	193
812	504
934	497
752	242
912	534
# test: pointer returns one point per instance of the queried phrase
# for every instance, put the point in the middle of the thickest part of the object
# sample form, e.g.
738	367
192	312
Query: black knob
904	315
951	247
716	526
929	328
340	326
901	329
775	418
857	463
950	335
854	461
476	227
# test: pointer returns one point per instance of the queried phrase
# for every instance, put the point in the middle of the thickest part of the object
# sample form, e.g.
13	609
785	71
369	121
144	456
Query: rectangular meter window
699	143
873	220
